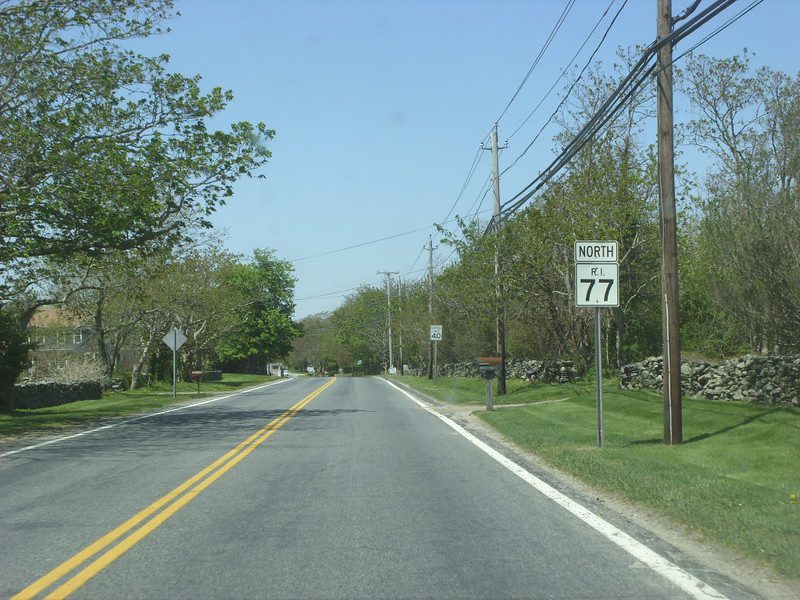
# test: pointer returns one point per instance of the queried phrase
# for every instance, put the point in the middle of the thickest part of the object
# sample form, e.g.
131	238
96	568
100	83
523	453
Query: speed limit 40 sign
436	333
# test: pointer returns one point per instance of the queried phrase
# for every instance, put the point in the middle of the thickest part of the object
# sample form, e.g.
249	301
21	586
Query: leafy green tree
264	289
313	347
359	327
103	148
748	121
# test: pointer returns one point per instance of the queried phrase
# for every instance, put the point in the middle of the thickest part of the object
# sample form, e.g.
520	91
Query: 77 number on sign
607	282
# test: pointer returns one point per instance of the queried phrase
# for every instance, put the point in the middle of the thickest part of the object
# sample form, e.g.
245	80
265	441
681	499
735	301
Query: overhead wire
414	264
643	70
625	90
478	155
569	91
473	167
563	70
553	32
719	29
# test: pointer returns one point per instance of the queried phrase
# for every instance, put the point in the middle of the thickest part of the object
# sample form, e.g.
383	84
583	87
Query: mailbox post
487	365
197	376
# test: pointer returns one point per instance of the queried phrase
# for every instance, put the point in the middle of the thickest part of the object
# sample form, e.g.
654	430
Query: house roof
54	316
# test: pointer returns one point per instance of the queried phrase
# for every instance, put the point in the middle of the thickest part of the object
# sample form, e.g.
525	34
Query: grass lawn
732	479
116	404
460	390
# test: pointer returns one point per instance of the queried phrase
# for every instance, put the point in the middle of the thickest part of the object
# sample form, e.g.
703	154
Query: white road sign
174	339
596	284
596	252
436	333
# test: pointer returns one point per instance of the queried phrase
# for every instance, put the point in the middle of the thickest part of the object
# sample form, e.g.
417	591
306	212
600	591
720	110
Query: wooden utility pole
389	310
400	320
673	430
430	305
498	269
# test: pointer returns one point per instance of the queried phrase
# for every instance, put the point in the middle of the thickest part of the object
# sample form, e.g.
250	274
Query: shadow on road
173	432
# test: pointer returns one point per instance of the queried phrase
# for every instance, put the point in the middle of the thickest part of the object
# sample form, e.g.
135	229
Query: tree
264	288
311	349
749	122
102	148
360	329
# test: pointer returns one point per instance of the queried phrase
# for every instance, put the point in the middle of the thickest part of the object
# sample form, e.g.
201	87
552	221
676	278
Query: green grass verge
459	390
732	479
116	404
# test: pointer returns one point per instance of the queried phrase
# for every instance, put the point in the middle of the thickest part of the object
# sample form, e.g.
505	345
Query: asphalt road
361	493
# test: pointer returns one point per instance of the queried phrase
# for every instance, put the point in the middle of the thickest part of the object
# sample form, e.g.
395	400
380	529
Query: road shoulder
719	566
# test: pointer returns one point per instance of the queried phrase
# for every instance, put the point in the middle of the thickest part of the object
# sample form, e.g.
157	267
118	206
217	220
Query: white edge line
683	579
147	416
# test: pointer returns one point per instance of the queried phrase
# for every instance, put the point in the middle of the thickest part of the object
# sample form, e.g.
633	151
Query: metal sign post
174	339
436	337
599	357
597	285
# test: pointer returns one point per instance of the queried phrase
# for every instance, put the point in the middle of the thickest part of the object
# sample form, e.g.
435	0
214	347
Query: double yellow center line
173	501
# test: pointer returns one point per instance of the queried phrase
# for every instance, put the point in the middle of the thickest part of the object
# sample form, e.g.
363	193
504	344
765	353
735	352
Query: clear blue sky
380	106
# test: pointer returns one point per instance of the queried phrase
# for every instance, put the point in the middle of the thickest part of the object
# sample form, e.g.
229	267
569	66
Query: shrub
66	367
212	375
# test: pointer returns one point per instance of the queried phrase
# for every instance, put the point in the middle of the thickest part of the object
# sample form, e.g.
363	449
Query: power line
613	104
473	167
414	264
571	87
545	46
598	121
370	242
338	286
719	29
480	197
329	294
563	70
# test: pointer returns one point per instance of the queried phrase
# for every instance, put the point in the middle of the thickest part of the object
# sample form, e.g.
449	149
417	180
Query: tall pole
400	319
389	311
673	430
498	269
598	351
174	362
430	304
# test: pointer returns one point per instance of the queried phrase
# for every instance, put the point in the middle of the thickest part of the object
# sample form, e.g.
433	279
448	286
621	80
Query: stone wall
562	371
762	379
39	395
